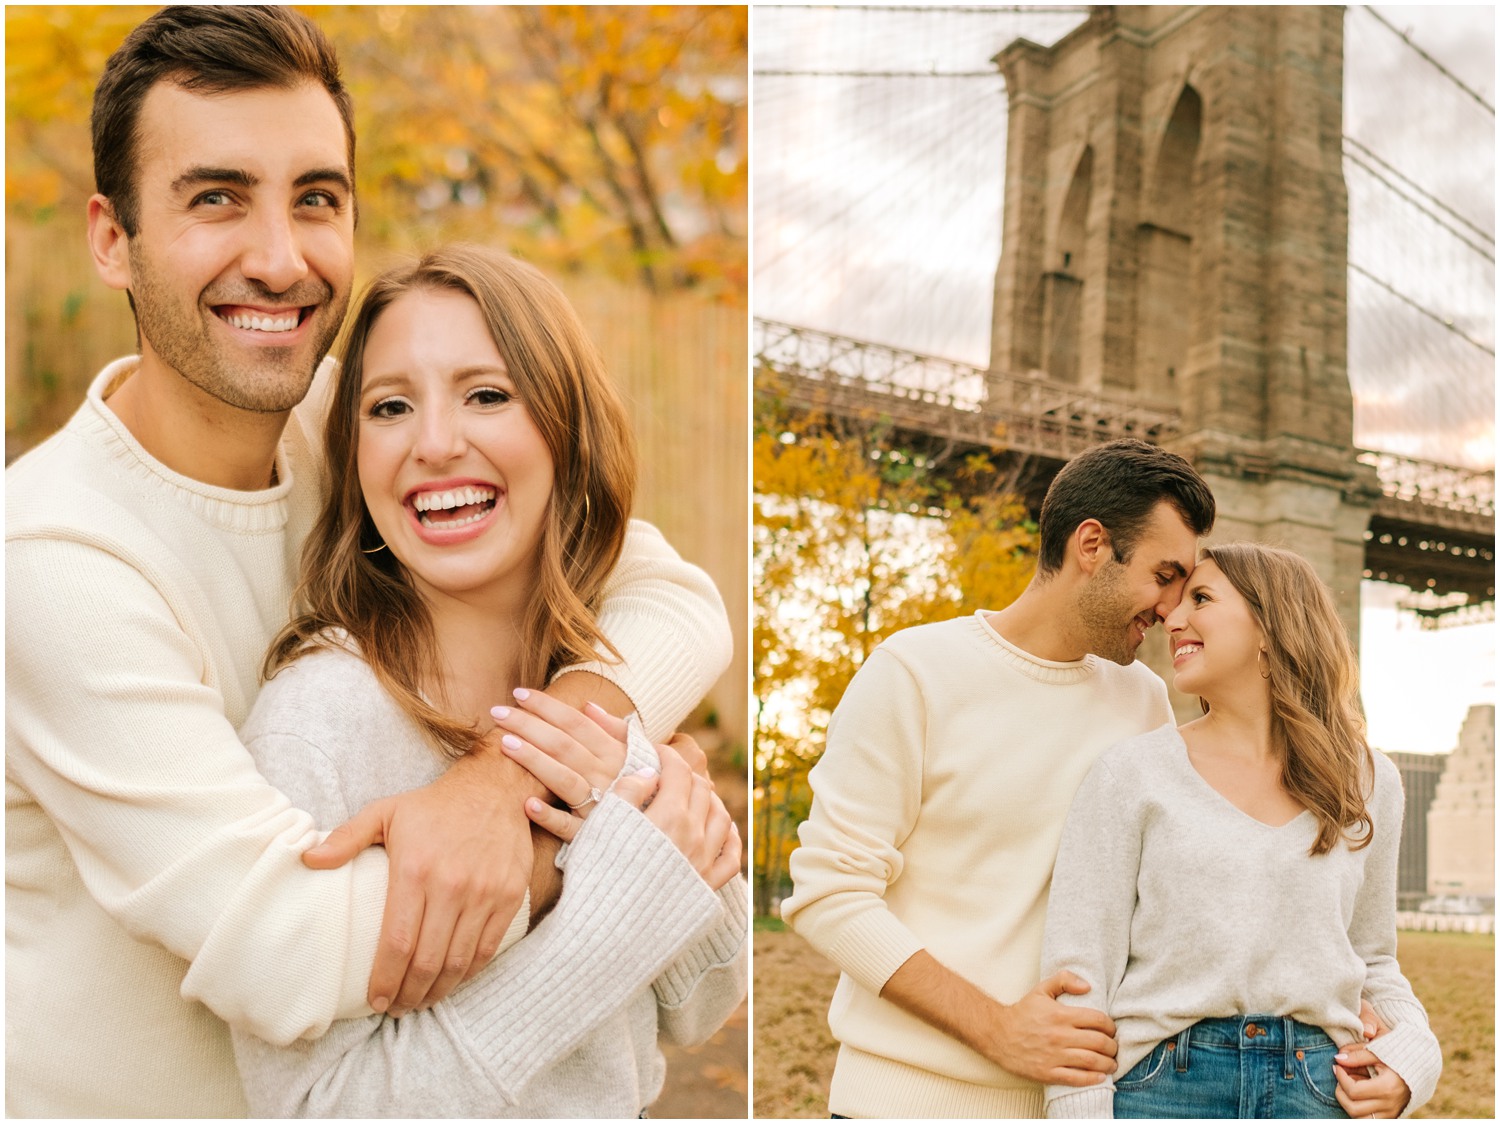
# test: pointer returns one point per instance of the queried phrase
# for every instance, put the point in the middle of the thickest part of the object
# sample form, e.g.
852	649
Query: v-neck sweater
1177	906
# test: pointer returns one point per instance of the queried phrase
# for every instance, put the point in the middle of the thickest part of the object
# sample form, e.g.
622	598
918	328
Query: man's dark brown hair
1120	484
208	49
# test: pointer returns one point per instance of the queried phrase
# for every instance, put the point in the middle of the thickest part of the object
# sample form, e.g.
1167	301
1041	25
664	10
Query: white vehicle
1452	903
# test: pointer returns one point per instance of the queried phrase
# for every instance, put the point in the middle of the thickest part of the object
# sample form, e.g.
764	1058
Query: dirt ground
708	1081
1452	973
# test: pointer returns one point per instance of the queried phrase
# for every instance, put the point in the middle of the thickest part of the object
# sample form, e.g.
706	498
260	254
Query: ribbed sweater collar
239	512
1034	667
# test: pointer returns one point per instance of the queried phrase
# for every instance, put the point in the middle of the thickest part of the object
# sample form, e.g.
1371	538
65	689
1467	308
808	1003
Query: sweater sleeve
703	986
114	733
1409	1047
630	905
668	622
1089	912
867	793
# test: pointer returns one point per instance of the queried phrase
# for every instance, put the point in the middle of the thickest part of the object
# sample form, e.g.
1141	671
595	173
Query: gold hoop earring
585	507
1267	673
377	550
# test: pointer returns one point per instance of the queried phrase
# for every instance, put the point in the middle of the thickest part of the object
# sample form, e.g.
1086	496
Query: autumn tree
856	536
607	139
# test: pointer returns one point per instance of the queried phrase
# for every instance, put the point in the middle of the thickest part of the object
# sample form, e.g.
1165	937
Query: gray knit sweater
1176	906
565	1023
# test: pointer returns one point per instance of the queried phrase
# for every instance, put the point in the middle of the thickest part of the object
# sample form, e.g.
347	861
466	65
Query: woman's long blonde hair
1317	728
560	376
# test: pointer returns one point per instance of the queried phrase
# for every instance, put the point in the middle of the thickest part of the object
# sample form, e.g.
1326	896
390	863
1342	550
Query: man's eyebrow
1173	564
201	175
325	175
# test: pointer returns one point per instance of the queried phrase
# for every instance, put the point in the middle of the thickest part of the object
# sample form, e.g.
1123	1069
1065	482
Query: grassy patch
1453	975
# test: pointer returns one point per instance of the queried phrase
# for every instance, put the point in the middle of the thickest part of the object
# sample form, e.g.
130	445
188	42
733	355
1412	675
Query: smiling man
939	804
155	883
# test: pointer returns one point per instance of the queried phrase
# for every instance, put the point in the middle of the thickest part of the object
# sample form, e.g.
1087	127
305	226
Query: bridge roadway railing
824	371
1433	494
945	398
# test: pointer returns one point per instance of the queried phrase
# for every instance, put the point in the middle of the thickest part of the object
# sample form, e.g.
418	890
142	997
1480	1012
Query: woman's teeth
426	503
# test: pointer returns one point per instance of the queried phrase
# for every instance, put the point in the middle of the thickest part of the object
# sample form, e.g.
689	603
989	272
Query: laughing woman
483	471
1228	889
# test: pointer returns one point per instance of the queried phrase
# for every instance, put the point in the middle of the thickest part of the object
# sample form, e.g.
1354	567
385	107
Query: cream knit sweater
153	878
937	810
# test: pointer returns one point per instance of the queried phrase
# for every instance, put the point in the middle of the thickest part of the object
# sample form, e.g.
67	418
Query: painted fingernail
534	806
522	694
595	708
500	713
1340	1057
648	772
381	1004
510	741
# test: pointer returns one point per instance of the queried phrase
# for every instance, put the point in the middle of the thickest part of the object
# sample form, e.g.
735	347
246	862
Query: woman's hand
1382	1095
576	755
684	808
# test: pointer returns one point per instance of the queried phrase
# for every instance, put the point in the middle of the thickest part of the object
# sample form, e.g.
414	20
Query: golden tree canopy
600	139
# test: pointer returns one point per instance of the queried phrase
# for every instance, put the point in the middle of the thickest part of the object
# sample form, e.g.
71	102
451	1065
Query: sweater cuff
653	681
519	925
1094	1102
630	904
717	949
872	946
1411	1050
639	754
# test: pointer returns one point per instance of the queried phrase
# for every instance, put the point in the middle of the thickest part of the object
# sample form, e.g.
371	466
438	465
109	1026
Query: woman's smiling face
455	473
1215	640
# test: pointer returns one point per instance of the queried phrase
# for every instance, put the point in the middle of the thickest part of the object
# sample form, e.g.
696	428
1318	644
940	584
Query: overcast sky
877	215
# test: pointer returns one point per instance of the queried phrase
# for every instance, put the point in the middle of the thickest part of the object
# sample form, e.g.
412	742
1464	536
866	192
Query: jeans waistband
1257	1032
1266	1033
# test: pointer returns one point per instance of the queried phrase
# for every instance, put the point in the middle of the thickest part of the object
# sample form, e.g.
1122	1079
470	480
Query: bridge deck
1433	527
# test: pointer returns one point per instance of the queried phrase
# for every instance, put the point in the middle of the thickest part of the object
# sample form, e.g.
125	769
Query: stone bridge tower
1175	228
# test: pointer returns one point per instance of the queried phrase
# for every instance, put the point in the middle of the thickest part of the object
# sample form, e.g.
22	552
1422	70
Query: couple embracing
254	596
1045	896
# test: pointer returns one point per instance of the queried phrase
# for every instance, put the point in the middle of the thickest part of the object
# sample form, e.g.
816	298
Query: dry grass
1454	976
793	1049
1452	973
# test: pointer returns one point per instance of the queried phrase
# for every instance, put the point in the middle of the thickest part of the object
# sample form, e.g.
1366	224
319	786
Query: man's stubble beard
1105	617
274	385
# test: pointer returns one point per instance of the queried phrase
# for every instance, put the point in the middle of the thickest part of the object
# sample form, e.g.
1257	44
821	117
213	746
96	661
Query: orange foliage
589	139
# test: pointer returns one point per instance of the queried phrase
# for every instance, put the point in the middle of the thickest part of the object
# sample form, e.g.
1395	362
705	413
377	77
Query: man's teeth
459	497
282	322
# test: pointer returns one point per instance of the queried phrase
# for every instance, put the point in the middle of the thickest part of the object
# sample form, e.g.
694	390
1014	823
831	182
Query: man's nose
273	253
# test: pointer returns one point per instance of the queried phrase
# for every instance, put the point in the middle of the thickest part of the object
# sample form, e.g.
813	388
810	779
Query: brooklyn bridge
1176	265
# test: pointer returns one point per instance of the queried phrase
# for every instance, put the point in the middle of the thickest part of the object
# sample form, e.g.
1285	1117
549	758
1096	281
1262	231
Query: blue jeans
1250	1067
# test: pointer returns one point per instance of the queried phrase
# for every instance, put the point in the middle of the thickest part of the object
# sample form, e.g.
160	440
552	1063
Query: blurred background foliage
608	140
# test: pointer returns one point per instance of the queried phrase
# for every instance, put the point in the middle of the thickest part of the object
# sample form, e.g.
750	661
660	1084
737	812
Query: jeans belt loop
1290	1046
1182	1049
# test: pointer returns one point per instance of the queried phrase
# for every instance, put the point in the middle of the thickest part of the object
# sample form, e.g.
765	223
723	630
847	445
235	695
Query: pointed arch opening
1062	308
1165	313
